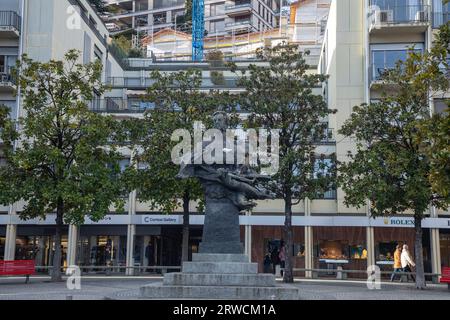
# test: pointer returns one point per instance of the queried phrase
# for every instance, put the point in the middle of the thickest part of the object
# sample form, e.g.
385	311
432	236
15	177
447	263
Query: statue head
220	120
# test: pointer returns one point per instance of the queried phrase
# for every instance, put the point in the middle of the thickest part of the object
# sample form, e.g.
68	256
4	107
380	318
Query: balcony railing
239	7
394	15
120	105
143	83
237	24
9	19
6	79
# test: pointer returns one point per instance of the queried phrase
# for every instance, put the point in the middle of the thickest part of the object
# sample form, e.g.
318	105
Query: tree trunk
185	243
420	276
288	275
56	271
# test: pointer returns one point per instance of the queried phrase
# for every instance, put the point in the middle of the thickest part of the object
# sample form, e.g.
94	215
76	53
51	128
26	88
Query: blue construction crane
198	29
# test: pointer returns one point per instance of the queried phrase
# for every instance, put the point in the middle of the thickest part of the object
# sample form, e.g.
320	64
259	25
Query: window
11	104
158	4
441	13
217	9
385	58
402	10
323	168
98	53
87	49
440	105
159	18
217	26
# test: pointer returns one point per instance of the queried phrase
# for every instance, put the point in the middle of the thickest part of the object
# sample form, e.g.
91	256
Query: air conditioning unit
385	16
421	16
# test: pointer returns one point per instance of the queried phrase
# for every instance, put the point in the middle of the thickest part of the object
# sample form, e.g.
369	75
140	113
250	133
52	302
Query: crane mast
198	29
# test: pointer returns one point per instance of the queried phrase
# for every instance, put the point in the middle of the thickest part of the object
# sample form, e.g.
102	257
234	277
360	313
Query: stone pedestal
221	232
219	276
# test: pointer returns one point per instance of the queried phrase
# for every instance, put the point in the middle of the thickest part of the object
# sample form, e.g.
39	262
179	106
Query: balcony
9	24
239	8
239	26
7	83
406	19
120	106
141	83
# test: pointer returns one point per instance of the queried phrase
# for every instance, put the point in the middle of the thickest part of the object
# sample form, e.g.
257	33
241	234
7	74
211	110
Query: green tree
433	135
61	160
390	167
280	96
178	103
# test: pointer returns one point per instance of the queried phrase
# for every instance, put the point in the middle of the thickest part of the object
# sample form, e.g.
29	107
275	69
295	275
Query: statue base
219	276
221	230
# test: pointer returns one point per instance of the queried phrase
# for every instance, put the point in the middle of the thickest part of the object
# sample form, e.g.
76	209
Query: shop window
41	249
358	252
333	250
385	251
299	250
445	249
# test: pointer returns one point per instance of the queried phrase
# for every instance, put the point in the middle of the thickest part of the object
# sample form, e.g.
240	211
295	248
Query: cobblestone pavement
99	288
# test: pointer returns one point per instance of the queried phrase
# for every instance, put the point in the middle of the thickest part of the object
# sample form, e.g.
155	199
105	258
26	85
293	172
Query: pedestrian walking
407	262
397	262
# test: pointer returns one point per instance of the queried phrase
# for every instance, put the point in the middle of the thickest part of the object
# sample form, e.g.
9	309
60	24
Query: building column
435	246
370	242
72	241
370	239
248	239
309	242
131	232
10	242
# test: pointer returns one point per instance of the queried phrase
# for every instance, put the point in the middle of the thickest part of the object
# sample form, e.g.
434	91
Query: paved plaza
110	287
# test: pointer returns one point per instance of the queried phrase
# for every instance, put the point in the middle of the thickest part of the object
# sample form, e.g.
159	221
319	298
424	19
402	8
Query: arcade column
10	242
248	239
435	245
131	234
370	240
72	241
11	233
309	242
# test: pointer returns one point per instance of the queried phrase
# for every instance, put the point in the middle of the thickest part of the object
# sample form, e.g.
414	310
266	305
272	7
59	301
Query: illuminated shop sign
161	220
399	222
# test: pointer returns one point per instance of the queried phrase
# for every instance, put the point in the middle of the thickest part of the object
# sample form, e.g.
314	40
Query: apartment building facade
327	234
221	17
362	39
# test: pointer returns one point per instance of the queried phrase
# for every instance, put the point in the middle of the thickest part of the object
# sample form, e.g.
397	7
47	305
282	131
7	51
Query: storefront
267	241
340	248
37	243
387	238
102	246
444	237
